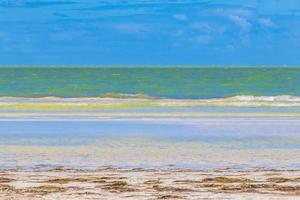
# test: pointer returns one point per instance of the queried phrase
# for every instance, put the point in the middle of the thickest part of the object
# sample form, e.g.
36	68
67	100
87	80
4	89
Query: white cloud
239	16
181	17
240	21
243	12
207	28
265	22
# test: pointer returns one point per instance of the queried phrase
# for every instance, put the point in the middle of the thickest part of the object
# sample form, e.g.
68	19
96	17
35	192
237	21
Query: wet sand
140	183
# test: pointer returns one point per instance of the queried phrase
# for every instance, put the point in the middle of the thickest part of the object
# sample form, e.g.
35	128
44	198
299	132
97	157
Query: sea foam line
91	103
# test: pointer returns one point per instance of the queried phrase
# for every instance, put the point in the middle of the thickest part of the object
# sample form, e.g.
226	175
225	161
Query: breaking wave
111	101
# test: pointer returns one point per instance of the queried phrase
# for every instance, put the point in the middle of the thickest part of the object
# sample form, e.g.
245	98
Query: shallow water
239	142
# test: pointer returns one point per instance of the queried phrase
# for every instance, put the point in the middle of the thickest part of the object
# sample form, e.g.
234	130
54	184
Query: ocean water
171	83
187	117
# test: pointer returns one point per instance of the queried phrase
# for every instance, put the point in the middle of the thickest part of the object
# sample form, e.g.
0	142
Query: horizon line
143	66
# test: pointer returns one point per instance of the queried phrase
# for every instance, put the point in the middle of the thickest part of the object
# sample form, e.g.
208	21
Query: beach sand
139	183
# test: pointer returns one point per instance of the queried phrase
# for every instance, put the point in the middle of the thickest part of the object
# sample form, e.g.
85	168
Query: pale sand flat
139	183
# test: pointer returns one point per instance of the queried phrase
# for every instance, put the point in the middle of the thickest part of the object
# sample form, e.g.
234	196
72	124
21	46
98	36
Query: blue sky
146	32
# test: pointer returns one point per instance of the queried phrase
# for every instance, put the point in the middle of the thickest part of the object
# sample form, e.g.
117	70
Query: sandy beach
139	183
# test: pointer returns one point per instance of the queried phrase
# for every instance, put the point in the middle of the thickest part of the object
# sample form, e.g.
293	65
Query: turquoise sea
173	83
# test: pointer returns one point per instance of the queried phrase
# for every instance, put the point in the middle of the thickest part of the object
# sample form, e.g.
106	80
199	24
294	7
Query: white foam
242	101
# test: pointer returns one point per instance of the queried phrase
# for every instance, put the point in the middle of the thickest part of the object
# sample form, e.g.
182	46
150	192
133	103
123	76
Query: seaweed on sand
44	189
221	179
117	187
